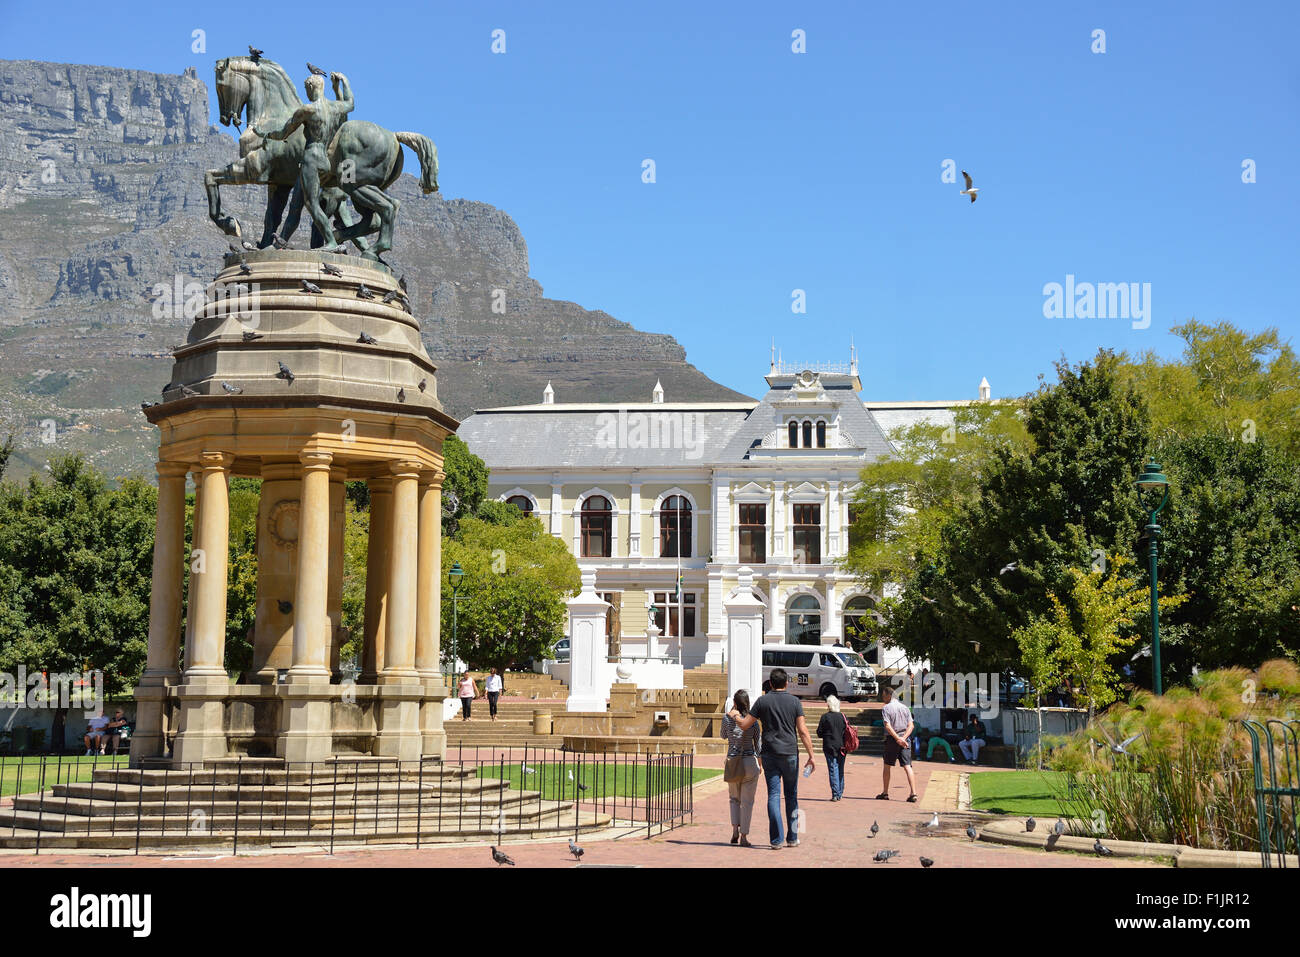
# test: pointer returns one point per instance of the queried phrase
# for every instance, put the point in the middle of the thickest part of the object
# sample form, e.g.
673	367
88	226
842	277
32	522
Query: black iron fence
484	795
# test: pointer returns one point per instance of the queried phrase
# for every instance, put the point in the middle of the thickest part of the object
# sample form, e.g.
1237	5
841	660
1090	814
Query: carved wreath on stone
283	523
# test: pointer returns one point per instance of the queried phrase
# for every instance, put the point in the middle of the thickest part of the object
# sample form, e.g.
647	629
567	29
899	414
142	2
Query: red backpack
850	736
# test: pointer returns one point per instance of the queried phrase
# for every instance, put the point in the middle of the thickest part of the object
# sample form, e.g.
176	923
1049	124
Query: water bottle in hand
807	770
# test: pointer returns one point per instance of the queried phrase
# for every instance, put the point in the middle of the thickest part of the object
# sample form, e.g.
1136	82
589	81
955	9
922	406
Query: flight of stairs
347	801
871	738
512	728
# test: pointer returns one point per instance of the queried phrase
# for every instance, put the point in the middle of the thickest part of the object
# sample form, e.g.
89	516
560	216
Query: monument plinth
298	372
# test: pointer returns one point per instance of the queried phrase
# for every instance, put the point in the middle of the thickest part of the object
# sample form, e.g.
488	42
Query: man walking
897	719
781	715
493	688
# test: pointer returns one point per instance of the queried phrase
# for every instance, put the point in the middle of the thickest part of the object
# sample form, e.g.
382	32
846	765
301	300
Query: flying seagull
971	832
330	270
231	389
315	69
927	863
365	292
970	189
934	821
1008	567
367	338
576	851
1101	849
250	335
501	858
254	52
875	828
284	372
883	856
310	287
1029	825
1123	745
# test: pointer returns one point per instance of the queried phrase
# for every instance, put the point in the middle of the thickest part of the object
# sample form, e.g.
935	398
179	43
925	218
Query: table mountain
101	198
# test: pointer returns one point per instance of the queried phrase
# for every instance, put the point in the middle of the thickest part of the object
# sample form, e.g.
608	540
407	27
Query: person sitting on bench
95	734
974	740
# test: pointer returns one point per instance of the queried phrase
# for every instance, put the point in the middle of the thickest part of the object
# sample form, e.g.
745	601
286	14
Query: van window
852	659
769	659
830	661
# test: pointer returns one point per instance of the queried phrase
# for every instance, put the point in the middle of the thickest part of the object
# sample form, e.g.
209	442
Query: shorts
897	753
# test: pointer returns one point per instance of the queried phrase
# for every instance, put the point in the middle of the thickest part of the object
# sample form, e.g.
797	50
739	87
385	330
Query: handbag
734	769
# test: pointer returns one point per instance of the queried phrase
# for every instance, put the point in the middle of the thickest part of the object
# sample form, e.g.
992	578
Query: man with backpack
839	740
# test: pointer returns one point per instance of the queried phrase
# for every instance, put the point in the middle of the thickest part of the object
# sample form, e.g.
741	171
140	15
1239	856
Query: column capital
380	484
405	468
315	459
173	469
213	461
432	477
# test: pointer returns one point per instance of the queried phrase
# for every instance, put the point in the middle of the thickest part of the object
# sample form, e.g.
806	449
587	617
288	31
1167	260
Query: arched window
821	435
857	614
803	621
597	523
807	433
794	435
521	502
675	527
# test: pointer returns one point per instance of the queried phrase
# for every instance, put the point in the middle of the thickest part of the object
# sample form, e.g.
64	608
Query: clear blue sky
821	171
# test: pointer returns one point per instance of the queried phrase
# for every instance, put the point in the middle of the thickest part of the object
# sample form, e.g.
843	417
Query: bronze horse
261	91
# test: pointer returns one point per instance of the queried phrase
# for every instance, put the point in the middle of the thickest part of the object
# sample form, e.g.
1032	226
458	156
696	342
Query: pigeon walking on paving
1059	827
367	339
501	858
365	292
875	828
330	269
576	851
310	287
284	373
927	863
883	856
934	821
971	832
231	389
1101	849
1030	825
971	190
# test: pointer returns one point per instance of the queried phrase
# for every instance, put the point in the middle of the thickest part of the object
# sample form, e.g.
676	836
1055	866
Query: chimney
657	397
986	392
548	395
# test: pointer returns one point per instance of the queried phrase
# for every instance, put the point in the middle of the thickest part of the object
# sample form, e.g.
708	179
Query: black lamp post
1153	478
454	577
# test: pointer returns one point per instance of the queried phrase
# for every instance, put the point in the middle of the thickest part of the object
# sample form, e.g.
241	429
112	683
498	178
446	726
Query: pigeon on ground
1101	849
315	69
576	851
250	335
365	292
1059	827
330	269
254	52
927	862
501	858
1008	567
970	189
187	391
883	856
424	384
284	373
367	339
971	832
528	770
581	786
244	268
1029	825
401	395
310	287
875	828
934	821
231	389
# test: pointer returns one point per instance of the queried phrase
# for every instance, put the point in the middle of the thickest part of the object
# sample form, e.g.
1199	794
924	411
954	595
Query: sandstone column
149	739
334	604
311	638
428	612
377	549
400	687
279	512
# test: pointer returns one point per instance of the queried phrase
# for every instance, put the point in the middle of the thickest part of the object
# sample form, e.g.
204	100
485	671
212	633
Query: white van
815	671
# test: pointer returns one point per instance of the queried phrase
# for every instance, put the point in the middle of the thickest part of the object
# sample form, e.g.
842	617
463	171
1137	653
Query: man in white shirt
493	688
95	729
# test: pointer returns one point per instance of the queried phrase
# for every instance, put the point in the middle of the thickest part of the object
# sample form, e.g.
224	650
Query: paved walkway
835	835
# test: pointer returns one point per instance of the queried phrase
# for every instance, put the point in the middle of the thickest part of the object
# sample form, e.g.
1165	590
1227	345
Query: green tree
465	486
512	606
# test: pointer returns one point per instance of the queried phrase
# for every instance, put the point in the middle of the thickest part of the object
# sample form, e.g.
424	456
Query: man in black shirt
781	715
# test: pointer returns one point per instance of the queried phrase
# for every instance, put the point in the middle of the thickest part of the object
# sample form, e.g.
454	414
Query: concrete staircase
512	728
871	738
264	803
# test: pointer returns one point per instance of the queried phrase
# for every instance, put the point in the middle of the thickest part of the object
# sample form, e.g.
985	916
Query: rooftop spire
548	395
658	395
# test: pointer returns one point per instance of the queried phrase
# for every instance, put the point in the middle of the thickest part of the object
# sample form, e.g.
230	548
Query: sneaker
794	843
89	752
777	847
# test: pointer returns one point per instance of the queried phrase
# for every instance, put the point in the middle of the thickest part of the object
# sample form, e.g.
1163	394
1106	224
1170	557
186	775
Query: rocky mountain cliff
101	198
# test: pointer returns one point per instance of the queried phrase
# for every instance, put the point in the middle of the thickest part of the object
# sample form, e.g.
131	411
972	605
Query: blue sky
821	171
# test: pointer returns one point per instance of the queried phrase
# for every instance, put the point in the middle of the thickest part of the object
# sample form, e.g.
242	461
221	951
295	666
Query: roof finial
853	357
986	392
773	372
657	396
548	395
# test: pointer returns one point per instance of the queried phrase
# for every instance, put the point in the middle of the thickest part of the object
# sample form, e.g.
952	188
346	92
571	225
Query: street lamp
454	577
1153	478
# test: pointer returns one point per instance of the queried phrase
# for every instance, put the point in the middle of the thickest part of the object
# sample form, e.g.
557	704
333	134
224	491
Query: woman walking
467	693
743	768
831	730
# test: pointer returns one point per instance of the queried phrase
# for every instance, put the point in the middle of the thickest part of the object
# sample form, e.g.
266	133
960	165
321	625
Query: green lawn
23	775
559	781
1017	792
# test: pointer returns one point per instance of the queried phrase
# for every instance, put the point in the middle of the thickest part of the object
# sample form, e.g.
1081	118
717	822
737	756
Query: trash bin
542	722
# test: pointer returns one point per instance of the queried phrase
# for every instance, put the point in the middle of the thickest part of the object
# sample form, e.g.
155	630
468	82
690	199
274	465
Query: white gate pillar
745	638
588	648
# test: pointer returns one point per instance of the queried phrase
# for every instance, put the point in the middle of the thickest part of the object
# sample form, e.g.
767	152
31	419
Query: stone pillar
279	513
201	736
428	614
149	739
372	650
775	621
588	655
634	524
399	704
831	619
557	508
778	554
745	638
311	625
334	603
195	519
